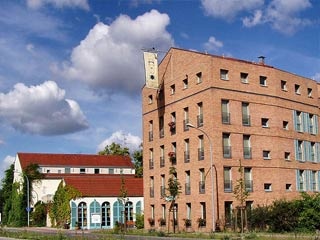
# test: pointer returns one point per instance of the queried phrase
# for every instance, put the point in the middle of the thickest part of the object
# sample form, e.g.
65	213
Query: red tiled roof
70	160
104	185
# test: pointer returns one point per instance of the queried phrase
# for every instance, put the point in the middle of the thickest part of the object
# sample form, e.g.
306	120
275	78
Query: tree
138	162
6	193
123	198
115	149
241	194
60	210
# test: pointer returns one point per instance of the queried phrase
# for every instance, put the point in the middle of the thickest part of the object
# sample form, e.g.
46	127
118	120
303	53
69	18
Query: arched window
138	207
82	215
106	215
118	212
95	215
129	211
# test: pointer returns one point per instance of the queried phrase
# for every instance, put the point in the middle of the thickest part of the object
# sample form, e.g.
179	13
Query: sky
71	71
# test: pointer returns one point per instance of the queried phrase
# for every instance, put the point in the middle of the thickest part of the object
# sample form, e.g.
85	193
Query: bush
139	221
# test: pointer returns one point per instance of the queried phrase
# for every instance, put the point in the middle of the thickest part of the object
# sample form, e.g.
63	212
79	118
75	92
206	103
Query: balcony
225	117
151	192
150	136
187	189
247	153
202	187
200	154
227	151
151	164
227	185
186	156
200	120
246	120
162	164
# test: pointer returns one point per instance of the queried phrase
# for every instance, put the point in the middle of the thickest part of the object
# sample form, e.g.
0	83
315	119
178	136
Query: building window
284	85
172	124
244	77
82	170
201	148
150	130
163	186
225	111
199	77
188	215
163	213
266	154
227	179
203	213
287	156
312	152
285	125
173	89
162	160
313	124
313	181
186	151
161	127
200	115
297	89
228	213
173	154
299	150
187	185
246	147
82	215
248	179
224	74
186	119
298	121
67	170
152	213
202	185
245	114
301	183
150	99
151	161
310	92
185	83
265	122
226	145
96	171
111	170
151	187
267	187
288	187
263	81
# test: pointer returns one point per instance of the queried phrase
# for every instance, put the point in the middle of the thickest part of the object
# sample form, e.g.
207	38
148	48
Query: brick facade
249	112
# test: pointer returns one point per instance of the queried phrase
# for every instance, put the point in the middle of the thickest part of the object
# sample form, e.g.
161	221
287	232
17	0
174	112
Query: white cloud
213	44
316	77
253	21
109	59
229	9
6	162
126	140
35	4
41	109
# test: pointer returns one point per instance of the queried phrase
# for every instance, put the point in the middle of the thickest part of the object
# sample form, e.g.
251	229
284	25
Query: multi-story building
213	113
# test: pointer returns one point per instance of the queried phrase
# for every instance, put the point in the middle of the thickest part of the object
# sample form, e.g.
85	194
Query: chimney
261	60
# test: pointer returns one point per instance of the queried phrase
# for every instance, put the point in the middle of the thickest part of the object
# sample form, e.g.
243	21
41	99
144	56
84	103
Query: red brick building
249	113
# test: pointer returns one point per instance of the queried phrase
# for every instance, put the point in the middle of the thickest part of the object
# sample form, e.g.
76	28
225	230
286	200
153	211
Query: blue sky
71	71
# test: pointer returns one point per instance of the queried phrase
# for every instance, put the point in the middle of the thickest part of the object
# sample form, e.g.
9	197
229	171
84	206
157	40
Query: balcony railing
150	136
186	156
151	163
162	162
225	117
187	189
247	153
162	191
200	154
246	120
228	185
151	192
202	187
249	185
200	120
227	151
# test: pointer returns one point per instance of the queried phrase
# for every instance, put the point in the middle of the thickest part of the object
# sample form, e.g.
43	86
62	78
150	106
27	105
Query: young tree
241	194
123	198
6	193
